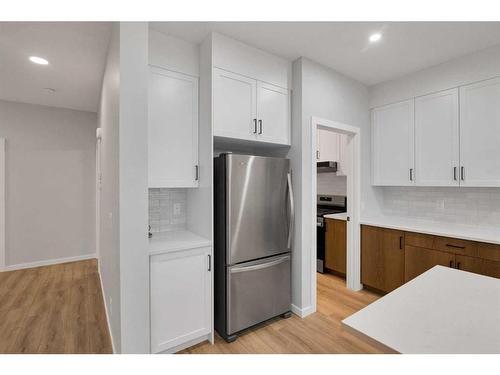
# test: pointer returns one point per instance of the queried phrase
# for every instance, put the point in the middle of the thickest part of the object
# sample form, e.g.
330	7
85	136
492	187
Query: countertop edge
418	228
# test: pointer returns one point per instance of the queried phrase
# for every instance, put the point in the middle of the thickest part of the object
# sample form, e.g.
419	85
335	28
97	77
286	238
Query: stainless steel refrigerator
254	211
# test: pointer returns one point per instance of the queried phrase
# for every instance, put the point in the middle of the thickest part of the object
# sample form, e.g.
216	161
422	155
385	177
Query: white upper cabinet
342	167
250	110
172	129
437	139
273	109
480	134
234	105
328	146
393	144
251	96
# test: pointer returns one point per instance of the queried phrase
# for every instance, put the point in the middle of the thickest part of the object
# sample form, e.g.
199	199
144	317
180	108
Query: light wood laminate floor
320	332
53	309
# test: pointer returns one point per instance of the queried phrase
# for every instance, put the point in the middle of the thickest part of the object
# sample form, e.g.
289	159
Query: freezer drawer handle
292	210
260	266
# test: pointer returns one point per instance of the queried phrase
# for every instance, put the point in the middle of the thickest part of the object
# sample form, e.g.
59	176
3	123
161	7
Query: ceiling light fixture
39	60
375	37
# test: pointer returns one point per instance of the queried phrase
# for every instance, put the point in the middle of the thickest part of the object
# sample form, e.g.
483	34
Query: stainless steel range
326	204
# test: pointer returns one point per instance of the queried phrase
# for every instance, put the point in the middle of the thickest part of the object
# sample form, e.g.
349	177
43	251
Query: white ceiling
405	47
76	52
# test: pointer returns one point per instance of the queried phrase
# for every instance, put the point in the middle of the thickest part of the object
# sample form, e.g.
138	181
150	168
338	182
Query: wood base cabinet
336	245
418	260
385	265
382	258
181	295
477	265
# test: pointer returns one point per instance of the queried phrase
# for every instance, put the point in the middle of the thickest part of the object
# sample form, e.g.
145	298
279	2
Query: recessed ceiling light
375	37
39	60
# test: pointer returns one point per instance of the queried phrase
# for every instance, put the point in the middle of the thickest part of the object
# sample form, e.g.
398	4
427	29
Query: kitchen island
442	311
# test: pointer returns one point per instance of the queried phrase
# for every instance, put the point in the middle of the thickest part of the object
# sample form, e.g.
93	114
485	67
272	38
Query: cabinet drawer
419	240
454	245
447	244
488	251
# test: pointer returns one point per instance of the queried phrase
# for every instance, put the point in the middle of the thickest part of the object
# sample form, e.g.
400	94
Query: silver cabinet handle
260	265
260	126
411	174
196	172
462	173
455	173
209	263
254	126
317	154
292	210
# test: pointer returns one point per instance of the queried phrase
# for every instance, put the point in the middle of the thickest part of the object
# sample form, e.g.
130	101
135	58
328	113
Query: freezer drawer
257	291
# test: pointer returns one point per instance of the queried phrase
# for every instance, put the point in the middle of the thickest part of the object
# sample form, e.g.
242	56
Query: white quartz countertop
444	310
466	232
165	242
341	216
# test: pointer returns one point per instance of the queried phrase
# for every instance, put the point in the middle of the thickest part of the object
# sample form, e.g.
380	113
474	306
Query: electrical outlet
177	209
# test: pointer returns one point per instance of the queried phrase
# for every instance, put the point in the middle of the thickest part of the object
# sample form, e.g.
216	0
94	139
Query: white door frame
353	270
2	204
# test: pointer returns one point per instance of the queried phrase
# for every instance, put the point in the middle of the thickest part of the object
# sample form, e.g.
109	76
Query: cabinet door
273	114
336	245
477	265
328	145
234	105
172	129
180	298
393	144
419	259
436	139
342	162
382	258
480	133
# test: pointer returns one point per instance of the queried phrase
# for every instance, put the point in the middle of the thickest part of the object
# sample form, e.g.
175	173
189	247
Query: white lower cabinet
181	307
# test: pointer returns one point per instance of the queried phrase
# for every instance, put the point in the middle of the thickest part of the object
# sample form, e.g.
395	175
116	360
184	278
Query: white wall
322	92
50	182
466	69
133	167
109	242
477	206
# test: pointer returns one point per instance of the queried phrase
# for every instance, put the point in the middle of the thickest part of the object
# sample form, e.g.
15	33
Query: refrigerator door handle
259	266
292	210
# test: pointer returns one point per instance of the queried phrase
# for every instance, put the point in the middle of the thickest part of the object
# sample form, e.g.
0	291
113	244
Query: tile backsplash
331	184
167	209
472	206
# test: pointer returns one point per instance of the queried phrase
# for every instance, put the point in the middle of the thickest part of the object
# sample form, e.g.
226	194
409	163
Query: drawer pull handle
401	242
455	246
451	264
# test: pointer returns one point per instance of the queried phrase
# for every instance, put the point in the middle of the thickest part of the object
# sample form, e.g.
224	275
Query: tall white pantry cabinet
448	138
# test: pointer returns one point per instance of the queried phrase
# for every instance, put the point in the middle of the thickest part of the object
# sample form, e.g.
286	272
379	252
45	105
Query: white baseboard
106	307
304	311
49	262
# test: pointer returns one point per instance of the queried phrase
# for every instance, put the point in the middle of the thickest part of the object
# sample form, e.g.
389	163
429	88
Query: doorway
353	160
